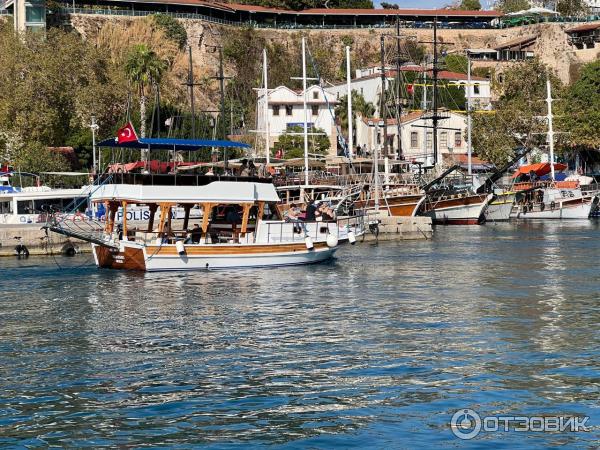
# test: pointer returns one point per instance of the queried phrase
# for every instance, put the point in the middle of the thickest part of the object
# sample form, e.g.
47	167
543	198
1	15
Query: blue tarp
172	144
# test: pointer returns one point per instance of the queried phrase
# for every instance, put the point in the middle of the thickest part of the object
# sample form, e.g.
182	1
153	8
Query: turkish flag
126	134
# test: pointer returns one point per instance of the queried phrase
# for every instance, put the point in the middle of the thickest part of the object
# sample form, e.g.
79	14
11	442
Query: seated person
326	212
188	237
196	234
292	214
232	216
311	211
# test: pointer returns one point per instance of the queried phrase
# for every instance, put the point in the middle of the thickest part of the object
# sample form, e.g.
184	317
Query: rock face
551	45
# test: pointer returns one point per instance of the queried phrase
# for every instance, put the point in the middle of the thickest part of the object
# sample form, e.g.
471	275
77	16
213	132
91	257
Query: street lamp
94	126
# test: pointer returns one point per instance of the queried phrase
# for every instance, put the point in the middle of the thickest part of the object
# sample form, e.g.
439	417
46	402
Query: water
377	349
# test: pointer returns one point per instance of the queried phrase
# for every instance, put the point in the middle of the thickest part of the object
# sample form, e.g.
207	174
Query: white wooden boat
255	239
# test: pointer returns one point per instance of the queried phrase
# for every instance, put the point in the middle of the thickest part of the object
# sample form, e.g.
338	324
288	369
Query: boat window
48	204
5	207
25	207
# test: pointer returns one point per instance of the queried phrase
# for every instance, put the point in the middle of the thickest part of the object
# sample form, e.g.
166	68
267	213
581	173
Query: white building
416	135
368	84
286	109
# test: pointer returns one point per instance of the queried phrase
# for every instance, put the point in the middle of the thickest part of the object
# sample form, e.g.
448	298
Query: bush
172	28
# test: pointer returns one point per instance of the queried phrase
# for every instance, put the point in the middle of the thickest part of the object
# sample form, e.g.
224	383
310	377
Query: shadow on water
378	348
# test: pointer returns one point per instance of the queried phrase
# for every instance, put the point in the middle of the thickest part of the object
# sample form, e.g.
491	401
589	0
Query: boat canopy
172	144
215	192
540	169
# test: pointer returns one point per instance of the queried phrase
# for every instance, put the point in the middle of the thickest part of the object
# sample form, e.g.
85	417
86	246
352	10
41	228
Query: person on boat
311	211
252	170
232	216
326	212
244	169
188	237
196	234
293	213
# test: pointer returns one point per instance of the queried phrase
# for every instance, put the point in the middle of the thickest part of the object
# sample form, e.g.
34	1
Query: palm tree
144	68
359	106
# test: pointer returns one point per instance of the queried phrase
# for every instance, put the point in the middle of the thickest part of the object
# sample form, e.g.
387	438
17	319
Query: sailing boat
450	199
550	199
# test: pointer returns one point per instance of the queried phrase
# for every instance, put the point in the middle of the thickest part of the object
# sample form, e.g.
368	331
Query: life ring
542	206
552	206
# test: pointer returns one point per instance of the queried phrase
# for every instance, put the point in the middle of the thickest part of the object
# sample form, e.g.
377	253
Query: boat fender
180	248
552	205
309	243
332	240
542	206
351	237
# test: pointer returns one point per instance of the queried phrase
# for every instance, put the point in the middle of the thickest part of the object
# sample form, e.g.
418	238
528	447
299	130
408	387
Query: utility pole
382	99
94	126
190	84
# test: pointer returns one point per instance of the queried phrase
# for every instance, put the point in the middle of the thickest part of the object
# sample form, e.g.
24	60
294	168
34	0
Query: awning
540	169
172	144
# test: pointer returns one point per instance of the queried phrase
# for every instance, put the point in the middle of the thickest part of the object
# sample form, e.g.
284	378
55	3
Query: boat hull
154	258
467	210
398	206
500	208
580	208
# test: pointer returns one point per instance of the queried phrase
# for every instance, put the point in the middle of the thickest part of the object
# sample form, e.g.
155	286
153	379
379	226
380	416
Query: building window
476	89
443	139
288	110
458	139
414	139
429	140
315	95
315	110
361	91
275	110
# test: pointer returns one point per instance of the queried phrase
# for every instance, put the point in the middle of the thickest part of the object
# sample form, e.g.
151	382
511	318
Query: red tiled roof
587	27
362	12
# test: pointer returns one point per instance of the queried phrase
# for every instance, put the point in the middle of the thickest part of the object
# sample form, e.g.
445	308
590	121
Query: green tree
457	63
292	142
470	5
508	6
518	119
359	107
572	7
172	28
144	68
578	114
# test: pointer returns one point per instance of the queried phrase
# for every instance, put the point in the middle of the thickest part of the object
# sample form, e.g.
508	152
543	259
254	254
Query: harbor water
377	349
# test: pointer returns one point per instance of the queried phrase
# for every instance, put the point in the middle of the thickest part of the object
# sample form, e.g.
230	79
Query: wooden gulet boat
252	241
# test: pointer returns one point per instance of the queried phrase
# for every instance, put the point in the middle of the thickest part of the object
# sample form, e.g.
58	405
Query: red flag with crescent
126	134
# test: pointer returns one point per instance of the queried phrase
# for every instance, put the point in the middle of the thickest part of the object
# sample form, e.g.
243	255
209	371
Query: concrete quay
396	228
36	241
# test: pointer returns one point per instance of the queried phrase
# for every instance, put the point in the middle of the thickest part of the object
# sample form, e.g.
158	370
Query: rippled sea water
377	349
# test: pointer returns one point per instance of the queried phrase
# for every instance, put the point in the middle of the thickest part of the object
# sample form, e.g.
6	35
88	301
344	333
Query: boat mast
266	110
550	127
382	99
435	72
305	112
398	105
469	123
349	96
190	84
